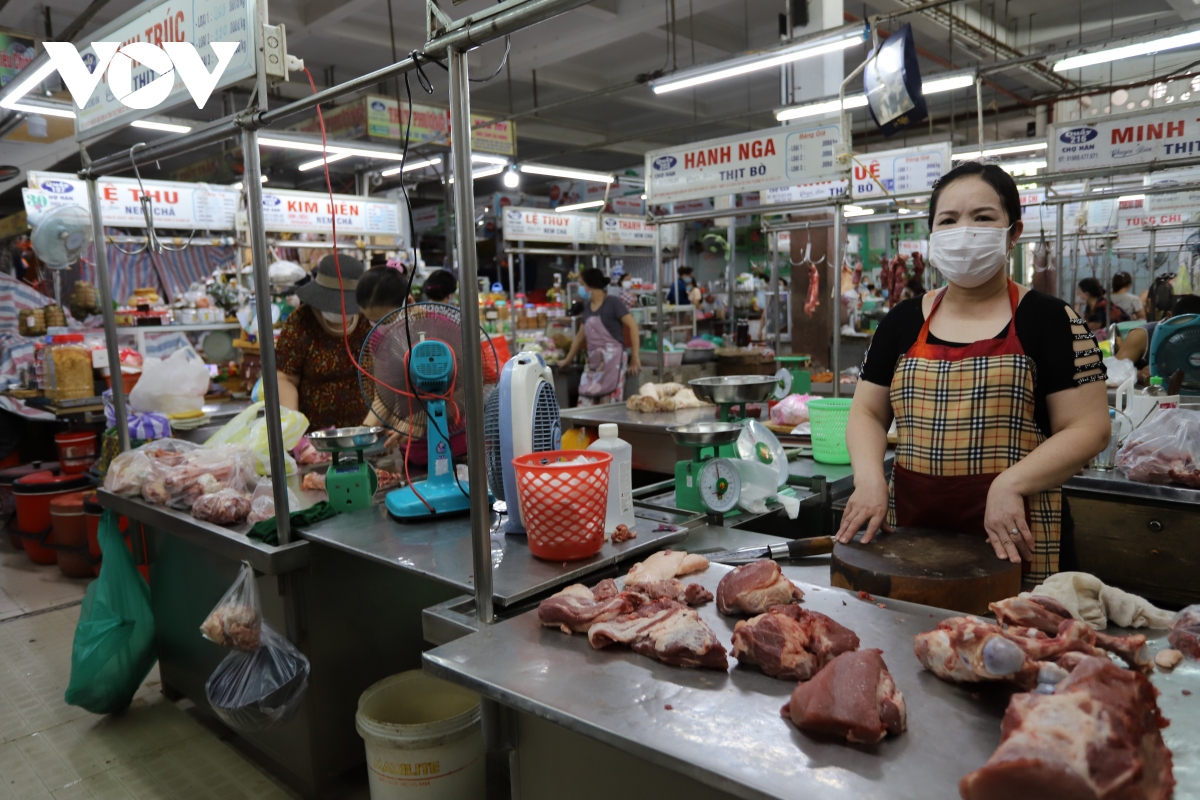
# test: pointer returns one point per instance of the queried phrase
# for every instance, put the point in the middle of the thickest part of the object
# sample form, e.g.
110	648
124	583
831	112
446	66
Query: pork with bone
755	587
1097	737
853	697
666	631
663	566
791	643
693	594
577	608
1048	615
814	290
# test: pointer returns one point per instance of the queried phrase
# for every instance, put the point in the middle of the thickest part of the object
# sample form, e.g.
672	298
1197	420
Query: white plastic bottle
620	477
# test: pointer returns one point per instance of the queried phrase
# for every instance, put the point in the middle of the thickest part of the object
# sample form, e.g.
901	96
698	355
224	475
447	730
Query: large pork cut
1185	632
853	697
1047	615
790	642
755	587
664	566
576	608
1097	737
664	630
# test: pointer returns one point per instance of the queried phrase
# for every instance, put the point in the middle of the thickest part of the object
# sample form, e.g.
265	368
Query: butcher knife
796	548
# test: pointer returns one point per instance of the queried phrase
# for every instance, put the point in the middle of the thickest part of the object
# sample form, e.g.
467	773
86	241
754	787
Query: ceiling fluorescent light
239	184
1131	198
45	111
581	206
307	165
13	98
947	84
1106	55
489	159
165	127
1023	167
943	83
561	172
836	41
387	173
290	144
1002	151
857	211
484	173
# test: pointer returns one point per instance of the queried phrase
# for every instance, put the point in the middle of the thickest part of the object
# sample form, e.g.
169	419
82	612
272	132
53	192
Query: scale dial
720	485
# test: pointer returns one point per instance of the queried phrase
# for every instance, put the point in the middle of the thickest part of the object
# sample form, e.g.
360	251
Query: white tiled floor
26	587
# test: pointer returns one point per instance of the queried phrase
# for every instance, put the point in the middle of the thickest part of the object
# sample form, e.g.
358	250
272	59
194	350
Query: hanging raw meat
885	273
1045	274
899	278
918	266
814	290
857	274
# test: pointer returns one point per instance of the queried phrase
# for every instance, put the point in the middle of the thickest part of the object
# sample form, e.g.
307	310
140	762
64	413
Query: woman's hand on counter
635	364
1004	520
868	506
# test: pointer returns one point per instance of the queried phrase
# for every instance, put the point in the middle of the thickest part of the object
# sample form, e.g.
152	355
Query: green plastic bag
114	647
249	428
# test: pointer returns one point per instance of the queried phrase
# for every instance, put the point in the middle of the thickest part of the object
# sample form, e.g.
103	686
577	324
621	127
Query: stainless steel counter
1114	485
653	448
723	733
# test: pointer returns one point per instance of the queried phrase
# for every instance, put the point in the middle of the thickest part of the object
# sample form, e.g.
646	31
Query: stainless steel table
653	448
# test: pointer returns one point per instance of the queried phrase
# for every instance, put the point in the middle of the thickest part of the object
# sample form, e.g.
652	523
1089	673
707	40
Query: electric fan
414	355
58	240
716	245
521	417
1176	346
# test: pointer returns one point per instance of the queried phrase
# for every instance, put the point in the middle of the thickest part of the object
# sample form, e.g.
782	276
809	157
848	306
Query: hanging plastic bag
254	690
236	620
1119	371
114	640
206	470
262	502
249	428
172	386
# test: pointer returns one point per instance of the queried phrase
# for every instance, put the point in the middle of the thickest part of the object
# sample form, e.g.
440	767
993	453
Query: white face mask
968	256
334	320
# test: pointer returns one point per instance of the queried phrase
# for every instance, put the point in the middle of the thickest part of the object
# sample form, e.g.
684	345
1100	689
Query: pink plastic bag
791	410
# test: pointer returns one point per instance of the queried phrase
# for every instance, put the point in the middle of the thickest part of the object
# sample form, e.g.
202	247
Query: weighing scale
731	392
709	482
350	483
793	377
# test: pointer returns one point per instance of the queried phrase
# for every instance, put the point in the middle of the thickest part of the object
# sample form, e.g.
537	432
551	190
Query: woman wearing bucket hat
316	376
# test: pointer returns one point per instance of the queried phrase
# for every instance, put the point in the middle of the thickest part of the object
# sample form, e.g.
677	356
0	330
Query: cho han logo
57	187
1078	135
82	74
665	162
271	200
377	105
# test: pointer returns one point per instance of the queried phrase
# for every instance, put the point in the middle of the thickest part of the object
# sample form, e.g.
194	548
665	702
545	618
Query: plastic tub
828	417
70	535
423	739
8	504
76	450
34	494
563	504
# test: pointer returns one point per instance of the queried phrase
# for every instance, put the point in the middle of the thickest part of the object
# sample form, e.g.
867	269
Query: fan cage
1185	343
547	423
491	439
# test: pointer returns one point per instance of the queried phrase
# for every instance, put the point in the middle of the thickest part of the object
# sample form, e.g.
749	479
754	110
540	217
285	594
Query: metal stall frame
446	38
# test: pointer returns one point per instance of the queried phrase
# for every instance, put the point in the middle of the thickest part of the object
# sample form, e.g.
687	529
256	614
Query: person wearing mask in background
989	424
626	294
316	375
440	286
600	332
1135	345
1092	305
679	292
1127	301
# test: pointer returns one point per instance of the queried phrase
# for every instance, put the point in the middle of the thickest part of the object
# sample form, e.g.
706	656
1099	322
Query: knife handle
802	548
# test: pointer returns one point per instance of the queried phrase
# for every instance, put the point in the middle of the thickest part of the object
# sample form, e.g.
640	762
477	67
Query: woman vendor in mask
603	323
997	391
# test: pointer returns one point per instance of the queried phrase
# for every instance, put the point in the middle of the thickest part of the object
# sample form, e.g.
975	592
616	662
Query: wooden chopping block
954	571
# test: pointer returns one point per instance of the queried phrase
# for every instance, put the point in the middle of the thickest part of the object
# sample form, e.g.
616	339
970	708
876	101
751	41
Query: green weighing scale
793	377
731	392
708	483
349	482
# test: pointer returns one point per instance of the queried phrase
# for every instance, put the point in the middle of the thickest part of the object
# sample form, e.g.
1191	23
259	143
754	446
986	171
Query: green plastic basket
828	417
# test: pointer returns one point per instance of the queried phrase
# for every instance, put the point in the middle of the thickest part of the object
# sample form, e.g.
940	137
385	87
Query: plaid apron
963	416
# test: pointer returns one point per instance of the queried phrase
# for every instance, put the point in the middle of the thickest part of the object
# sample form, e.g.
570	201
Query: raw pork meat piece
1047	615
664	630
664	565
814	290
1185	631
755	587
1097	737
853	697
693	594
791	643
918	266
313	482
578	608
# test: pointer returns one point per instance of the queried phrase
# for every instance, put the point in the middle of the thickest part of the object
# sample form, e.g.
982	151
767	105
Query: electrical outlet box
274	38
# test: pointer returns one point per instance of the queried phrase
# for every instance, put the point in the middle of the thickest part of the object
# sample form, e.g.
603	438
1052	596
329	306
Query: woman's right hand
868	506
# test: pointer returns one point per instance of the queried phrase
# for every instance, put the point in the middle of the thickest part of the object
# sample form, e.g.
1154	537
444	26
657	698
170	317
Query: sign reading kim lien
1160	135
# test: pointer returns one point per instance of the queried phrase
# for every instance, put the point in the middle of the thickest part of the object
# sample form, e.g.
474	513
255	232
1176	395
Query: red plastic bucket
92	511
70	535
8	504
33	494
562	503
76	450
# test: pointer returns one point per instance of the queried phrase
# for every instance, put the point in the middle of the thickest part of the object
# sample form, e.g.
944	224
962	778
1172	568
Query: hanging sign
909	171
199	23
17	51
747	162
1160	135
178	206
906	247
387	120
427	218
1185	204
539	225
823	190
286	211
626	231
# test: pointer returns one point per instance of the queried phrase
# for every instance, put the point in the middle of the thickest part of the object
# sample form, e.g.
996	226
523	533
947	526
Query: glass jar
68	373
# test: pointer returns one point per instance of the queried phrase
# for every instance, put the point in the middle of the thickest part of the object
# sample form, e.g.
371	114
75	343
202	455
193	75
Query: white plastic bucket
423	739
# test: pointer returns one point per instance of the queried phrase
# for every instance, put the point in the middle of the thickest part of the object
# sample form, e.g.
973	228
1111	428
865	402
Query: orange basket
563	504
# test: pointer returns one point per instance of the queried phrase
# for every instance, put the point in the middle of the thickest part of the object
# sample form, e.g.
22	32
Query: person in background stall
680	291
1135	345
1092	305
626	294
440	286
380	291
1124	299
316	374
605	319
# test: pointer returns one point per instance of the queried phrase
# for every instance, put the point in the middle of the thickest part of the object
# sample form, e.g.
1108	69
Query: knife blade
796	548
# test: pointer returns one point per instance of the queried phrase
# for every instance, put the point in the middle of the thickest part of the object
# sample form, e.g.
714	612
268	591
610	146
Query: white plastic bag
174	386
249	428
262	503
1165	449
1119	371
791	410
236	620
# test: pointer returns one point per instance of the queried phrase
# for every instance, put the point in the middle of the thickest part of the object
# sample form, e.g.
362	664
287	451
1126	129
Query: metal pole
732	326
1059	266
1107	289
836	262
979	110
266	339
659	279
512	296
773	243
106	309
472	374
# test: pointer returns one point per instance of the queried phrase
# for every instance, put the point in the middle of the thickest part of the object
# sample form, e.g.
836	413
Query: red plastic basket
563	504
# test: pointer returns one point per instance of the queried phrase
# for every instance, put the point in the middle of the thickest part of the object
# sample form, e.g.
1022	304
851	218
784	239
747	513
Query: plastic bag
1164	449
236	620
254	690
791	410
249	428
114	640
1185	632
1119	371
172	386
223	507
262	502
205	470
128	471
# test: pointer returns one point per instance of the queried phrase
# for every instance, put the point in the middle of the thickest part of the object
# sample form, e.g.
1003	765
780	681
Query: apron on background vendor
600	329
989	424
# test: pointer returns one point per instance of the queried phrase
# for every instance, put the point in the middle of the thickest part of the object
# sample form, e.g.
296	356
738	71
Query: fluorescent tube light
1023	167
289	144
239	184
562	172
484	173
931	86
166	127
581	206
857	211
28	85
1131	198
1106	55
1001	151
834	42
45	111
489	159
387	173
307	165
948	84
